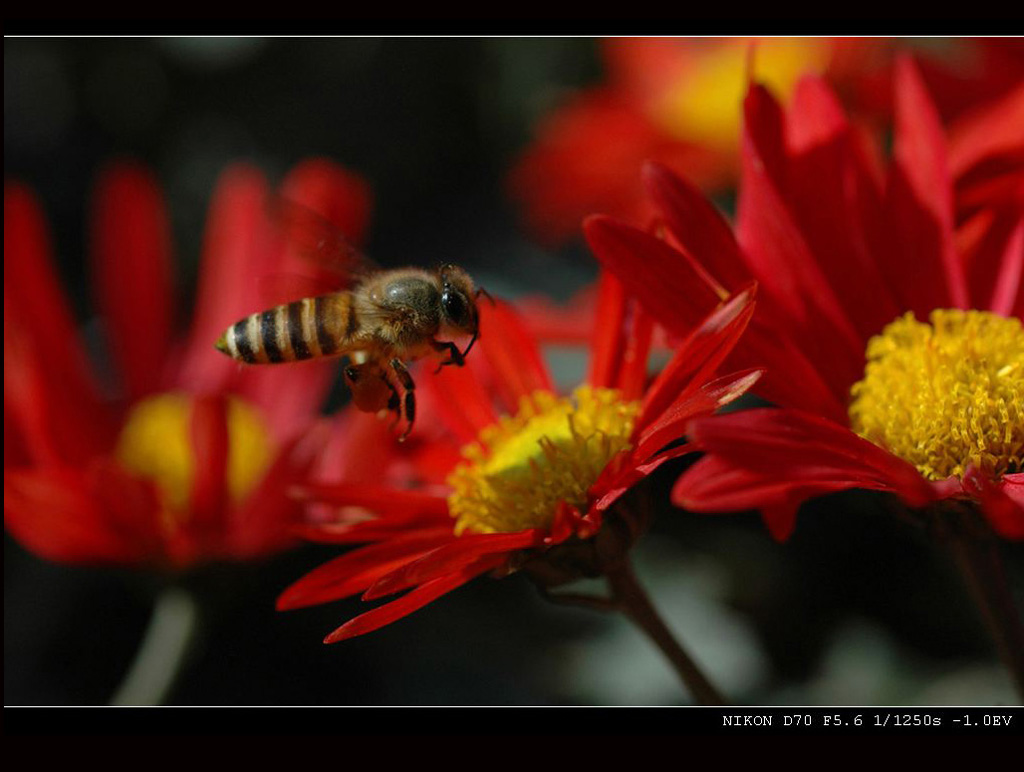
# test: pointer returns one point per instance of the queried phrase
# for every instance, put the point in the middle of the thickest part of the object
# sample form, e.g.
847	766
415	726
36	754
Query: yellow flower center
706	105
946	395
552	450
156	443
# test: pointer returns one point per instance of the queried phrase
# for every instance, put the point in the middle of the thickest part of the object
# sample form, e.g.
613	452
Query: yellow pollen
156	443
946	395
706	105
553	450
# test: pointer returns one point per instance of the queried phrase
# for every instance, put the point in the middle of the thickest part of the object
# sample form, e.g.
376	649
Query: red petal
131	262
263	522
827	192
356	570
209	435
670	288
621	340
768	454
44	331
1002	502
340	197
417	599
512	353
386	501
699	355
671	422
54	513
791	280
993	129
630	475
234	245
452	557
607	337
923	266
1008	291
698	227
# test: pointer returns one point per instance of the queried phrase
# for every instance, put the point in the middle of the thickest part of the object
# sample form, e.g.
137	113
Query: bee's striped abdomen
304	329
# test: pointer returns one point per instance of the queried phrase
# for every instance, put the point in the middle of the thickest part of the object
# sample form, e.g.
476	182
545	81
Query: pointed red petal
416	599
452	557
356	570
131	262
671	422
669	287
700	354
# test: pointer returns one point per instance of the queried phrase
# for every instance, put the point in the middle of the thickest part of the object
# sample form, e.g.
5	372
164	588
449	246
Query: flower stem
637	606
162	652
979	561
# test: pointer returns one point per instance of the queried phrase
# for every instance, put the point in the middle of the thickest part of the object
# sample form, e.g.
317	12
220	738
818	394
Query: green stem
162	652
634	602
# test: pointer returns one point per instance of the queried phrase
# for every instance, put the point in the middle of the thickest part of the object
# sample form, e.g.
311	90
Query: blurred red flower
515	476
183	456
852	260
678	101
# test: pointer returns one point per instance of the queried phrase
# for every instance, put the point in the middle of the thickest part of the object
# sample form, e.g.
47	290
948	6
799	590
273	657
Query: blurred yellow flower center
156	443
705	106
552	450
946	395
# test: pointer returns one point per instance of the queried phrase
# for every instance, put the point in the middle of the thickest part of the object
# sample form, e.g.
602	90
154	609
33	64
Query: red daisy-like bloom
896	356
678	101
185	457
520	477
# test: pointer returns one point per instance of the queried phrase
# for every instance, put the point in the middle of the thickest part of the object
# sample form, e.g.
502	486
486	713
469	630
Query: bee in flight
383	320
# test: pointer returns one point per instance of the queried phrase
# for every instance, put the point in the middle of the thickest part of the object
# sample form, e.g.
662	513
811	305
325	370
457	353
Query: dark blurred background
857	608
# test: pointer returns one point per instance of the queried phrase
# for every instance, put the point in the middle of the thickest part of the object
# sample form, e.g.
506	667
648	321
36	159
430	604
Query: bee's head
458	302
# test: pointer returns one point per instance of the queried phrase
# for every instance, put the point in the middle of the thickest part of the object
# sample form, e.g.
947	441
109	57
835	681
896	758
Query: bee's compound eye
455	306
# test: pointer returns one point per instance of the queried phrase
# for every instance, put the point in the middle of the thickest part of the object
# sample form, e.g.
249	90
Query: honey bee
386	319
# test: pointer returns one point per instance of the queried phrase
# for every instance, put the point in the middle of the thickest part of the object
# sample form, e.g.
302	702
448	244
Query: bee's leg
408	399
454	355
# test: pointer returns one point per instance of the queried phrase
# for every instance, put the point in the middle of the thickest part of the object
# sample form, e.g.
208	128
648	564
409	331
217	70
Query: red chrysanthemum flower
182	457
520	477
897	357
679	102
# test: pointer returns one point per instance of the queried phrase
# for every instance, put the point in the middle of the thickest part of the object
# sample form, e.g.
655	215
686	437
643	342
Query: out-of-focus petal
54	512
210	447
234	241
923	265
45	332
131	263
